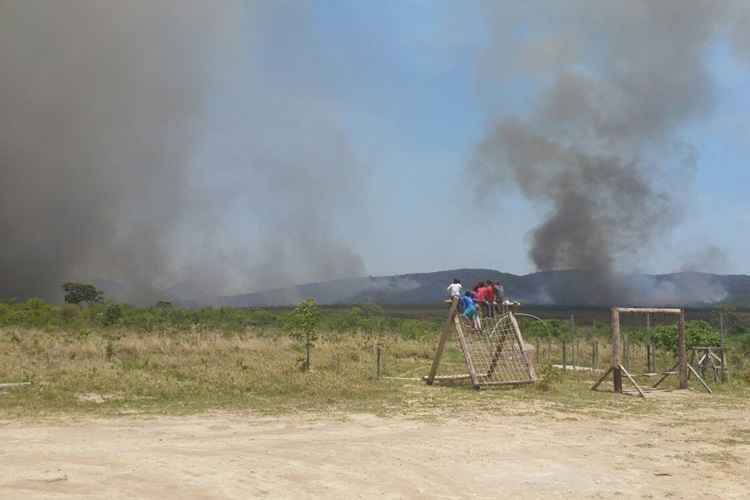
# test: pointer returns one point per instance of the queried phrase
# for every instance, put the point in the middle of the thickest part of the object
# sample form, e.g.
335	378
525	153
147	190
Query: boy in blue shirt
469	308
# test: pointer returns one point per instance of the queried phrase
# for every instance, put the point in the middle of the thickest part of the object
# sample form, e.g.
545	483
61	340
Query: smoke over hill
598	148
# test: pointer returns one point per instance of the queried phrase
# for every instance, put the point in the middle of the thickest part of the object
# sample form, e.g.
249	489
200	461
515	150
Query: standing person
489	298
470	310
455	290
478	295
499	295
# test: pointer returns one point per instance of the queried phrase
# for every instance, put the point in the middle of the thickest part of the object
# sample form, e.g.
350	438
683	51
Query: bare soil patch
528	453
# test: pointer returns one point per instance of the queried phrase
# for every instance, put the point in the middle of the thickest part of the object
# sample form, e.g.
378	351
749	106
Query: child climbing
469	308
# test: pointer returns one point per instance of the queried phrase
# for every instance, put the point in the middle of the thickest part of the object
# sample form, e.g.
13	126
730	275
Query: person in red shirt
489	298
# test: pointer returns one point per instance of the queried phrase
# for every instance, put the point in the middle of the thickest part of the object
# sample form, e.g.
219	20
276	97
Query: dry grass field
207	414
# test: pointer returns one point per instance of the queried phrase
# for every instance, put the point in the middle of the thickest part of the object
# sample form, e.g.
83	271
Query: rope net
495	349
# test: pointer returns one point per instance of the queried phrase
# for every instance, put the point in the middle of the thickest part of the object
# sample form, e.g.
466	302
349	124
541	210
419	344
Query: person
478	295
499	294
469	308
455	289
489	299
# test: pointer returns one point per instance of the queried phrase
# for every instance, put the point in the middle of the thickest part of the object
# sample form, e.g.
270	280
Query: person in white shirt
455	289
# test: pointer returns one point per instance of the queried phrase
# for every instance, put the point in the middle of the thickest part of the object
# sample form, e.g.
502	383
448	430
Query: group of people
485	299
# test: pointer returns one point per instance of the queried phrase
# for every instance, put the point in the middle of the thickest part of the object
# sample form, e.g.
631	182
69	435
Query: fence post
682	351
650	347
722	333
594	355
564	356
616	354
626	350
574	345
378	361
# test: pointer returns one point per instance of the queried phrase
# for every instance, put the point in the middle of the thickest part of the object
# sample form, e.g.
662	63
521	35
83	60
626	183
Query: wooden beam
602	378
649	310
467	354
519	339
666	374
632	381
14	384
682	351
616	351
441	343
705	385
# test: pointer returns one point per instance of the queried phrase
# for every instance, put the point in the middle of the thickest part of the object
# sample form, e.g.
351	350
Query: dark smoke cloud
164	142
598	148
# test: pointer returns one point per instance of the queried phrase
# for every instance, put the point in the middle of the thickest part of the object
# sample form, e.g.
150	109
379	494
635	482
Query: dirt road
359	456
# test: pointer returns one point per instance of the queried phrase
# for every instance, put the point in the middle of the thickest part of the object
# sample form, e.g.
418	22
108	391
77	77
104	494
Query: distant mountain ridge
548	287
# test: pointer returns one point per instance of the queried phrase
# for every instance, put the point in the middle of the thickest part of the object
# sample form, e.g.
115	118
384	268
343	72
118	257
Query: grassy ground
110	372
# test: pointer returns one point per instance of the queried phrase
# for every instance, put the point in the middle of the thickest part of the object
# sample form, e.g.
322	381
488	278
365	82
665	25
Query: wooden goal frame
617	369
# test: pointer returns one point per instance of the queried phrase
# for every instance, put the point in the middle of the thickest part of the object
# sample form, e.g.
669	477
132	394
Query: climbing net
494	352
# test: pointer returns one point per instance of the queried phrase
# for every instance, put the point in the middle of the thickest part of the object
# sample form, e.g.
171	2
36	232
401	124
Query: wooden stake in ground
616	351
682	351
443	339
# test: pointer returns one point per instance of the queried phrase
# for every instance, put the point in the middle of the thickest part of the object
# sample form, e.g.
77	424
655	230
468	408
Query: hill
565	288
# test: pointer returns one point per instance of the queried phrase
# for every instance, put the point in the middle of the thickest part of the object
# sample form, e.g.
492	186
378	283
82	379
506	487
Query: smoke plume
598	151
157	142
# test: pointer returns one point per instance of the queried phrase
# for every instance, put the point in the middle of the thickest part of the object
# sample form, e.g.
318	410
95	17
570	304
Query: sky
405	76
242	145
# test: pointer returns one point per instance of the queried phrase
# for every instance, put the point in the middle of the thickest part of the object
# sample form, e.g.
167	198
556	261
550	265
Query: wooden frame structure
493	362
681	368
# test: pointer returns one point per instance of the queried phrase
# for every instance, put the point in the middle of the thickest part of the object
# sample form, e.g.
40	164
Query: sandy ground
555	455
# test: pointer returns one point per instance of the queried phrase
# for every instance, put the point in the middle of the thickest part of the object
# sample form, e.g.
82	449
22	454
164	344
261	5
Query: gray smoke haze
163	142
599	150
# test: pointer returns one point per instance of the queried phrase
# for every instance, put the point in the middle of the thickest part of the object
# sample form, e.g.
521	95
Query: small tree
75	293
302	325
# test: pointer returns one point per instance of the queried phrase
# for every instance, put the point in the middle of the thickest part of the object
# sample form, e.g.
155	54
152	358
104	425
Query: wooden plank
467	354
453	377
682	351
632	381
441	342
519	339
722	333
602	378
666	374
650	310
616	351
705	385
511	382
10	385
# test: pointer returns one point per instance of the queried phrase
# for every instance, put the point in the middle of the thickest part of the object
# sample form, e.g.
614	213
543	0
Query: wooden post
682	351
723	347
650	347
441	342
307	351
595	355
564	356
616	353
549	350
467	354
379	361
519	340
573	340
626	350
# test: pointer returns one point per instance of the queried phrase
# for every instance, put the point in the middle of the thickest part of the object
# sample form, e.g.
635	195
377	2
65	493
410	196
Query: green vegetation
113	358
